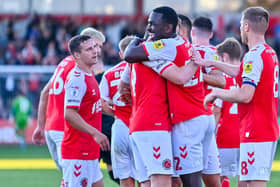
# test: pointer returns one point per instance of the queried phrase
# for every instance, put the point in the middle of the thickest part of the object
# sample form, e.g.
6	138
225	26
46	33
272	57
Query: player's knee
212	180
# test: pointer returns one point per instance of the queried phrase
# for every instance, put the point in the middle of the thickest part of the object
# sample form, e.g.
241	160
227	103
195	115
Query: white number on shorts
57	83
177	160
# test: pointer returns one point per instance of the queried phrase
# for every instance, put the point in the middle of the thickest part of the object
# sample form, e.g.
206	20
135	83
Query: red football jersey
109	91
259	116
185	101
207	52
228	135
55	110
149	100
82	92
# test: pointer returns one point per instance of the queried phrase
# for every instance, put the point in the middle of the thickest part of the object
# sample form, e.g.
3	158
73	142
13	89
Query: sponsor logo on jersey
84	182
158	44
248	67
166	164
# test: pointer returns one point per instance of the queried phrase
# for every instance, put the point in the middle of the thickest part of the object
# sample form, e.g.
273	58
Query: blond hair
92	32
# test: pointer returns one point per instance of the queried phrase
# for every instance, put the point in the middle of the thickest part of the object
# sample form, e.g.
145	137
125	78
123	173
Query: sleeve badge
215	57
158	44
248	67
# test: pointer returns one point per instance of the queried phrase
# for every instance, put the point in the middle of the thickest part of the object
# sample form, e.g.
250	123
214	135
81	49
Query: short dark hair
169	15
258	18
203	23
186	22
230	46
74	44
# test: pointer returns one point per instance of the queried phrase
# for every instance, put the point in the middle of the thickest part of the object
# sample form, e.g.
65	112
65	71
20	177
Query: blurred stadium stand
34	34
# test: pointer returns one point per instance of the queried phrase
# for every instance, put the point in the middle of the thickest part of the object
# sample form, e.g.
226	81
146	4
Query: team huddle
185	112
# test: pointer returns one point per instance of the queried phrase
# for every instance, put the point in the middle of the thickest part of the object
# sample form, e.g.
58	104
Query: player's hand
126	97
137	40
38	136
209	98
125	92
102	140
197	59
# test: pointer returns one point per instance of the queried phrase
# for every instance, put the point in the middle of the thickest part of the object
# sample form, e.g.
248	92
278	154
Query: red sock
226	182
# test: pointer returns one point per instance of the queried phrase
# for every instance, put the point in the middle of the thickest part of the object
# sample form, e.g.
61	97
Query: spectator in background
30	54
51	57
62	38
11	54
21	111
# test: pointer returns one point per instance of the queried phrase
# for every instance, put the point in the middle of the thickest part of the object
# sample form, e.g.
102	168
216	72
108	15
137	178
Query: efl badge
166	164
84	182
158	44
215	57
248	67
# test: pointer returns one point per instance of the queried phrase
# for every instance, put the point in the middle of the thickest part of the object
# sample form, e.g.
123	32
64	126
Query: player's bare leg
242	183
158	180
129	182
192	180
98	183
176	182
211	180
145	184
256	183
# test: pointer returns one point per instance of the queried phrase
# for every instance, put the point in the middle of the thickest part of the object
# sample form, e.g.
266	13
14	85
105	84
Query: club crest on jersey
248	67
74	91
158	44
166	164
84	182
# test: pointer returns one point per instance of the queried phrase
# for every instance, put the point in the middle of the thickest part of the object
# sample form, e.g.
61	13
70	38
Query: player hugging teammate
169	97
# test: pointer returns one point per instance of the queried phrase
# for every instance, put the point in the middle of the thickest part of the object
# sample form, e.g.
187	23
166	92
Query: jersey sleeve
159	65
75	90
104	88
252	69
126	74
164	49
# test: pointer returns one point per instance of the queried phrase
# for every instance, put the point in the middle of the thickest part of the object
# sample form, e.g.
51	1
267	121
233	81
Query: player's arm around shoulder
215	78
227	68
180	75
135	52
240	95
